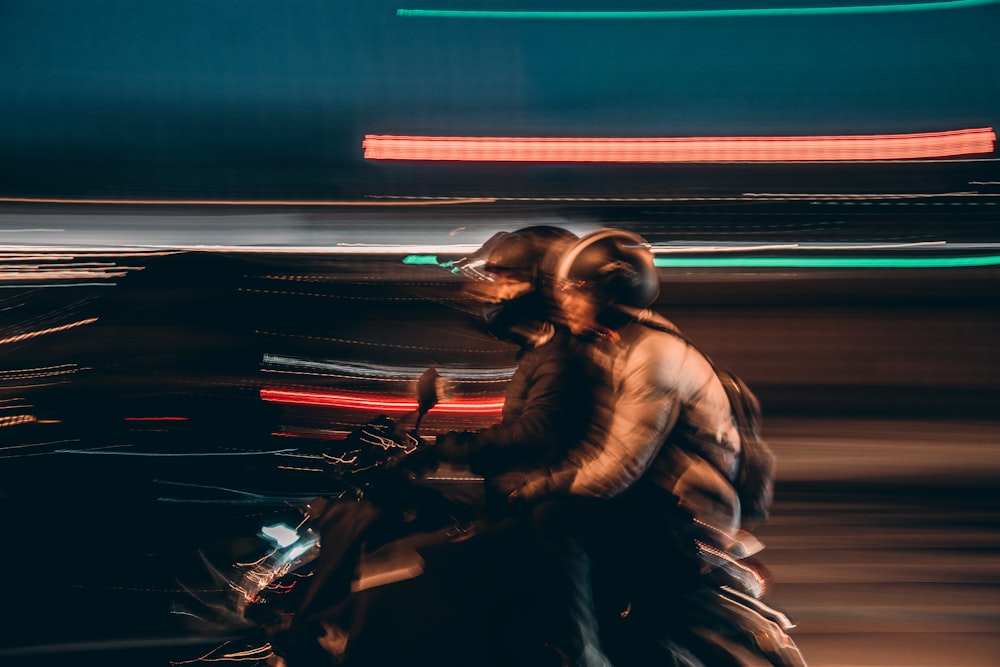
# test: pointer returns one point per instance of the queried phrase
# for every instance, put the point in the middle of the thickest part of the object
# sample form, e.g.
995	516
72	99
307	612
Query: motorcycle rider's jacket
660	416
545	412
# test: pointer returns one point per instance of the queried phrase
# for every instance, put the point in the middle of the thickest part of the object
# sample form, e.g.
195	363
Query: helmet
512	274
527	257
617	266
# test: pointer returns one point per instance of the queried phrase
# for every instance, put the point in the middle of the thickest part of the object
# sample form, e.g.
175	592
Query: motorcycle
447	581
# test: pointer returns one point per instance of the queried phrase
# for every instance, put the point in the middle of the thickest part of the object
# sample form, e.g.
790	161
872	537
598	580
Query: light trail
768	149
46	285
763	197
148	235
38	372
244	496
425	254
110	644
829	262
853	262
47	253
31	231
748	12
380	371
17	420
42	332
51	443
172	454
432	260
6	448
21	270
861	196
437	201
11	275
692	249
378	402
338	249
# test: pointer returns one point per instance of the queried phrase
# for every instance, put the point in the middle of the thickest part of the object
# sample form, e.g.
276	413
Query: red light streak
282	589
437	201
681	149
377	402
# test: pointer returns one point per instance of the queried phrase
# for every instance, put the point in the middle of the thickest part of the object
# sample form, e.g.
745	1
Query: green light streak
421	259
795	262
828	262
692	13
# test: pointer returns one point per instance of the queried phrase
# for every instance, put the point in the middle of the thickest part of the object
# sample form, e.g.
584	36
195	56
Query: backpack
755	477
754	481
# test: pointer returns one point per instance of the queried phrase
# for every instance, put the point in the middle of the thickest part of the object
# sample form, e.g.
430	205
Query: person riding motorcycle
653	471
638	523
546	399
544	413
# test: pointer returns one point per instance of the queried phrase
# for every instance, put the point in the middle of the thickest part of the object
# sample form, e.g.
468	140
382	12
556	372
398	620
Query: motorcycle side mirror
427	398
427	391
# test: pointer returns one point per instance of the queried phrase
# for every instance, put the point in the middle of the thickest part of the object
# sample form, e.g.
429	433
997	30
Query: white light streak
368	371
865	196
173	454
262	652
280	534
40	372
42	230
34	444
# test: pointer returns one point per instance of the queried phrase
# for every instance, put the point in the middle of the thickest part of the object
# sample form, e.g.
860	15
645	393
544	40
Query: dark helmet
527	255
615	265
513	272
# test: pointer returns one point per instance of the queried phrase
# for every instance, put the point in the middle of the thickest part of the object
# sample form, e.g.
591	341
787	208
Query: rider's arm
554	402
646	407
632	417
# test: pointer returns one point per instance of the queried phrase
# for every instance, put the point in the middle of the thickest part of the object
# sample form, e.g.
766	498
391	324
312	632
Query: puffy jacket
656	394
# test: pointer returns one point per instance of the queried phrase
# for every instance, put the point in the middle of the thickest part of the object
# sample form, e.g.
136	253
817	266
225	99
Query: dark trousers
623	549
343	529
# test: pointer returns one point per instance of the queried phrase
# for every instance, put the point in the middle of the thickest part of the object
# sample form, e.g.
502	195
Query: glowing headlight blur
280	534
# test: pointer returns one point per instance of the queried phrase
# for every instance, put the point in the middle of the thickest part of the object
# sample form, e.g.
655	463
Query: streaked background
190	230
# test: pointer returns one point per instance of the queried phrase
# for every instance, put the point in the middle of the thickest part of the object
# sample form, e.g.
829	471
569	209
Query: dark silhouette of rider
545	412
547	399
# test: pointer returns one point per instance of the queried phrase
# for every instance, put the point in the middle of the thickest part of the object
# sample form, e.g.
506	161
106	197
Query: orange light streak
681	149
15	420
34	334
377	402
30	273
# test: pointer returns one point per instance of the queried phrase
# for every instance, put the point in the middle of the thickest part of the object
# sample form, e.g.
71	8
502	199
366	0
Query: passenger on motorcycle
655	463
